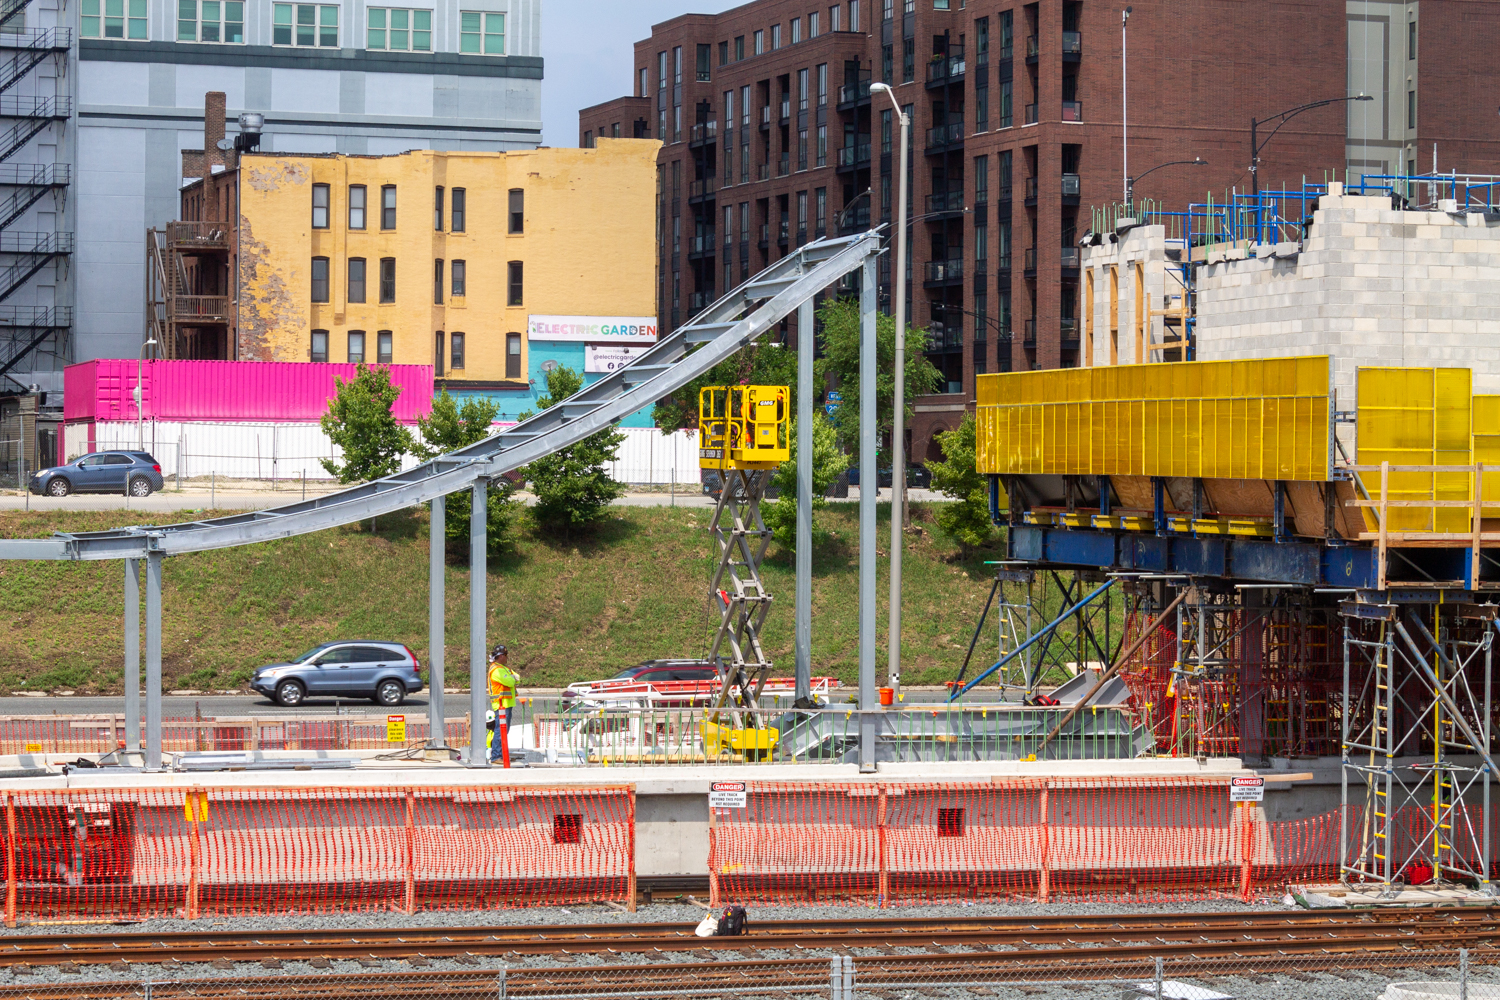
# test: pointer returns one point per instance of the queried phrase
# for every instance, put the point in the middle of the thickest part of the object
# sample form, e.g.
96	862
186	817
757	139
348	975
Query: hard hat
499	650
489	717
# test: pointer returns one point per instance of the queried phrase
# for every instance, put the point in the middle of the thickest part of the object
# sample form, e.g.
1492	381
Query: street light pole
1256	144
898	403
1124	105
140	419
1196	161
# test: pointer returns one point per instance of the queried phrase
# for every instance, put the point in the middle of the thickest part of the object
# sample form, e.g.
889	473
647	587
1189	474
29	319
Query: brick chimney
213	133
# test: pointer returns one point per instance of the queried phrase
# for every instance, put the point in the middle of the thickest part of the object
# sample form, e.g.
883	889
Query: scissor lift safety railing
717	333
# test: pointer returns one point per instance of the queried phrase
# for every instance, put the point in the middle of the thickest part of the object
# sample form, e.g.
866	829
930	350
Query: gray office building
108	93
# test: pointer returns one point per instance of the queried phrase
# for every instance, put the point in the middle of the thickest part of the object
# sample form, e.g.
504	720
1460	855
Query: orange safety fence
185	852
1092	838
93	734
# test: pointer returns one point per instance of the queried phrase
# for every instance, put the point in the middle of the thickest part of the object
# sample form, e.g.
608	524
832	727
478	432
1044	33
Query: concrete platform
1335	895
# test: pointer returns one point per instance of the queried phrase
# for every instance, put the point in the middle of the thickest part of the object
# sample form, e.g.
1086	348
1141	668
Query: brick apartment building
772	139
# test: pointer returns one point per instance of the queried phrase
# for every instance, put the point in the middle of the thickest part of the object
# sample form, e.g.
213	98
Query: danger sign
395	729
1250	788
726	795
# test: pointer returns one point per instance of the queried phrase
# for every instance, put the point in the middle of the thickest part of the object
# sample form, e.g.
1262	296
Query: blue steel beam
1030	642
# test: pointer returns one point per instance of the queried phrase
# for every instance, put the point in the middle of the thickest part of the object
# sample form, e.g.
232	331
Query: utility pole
1125	104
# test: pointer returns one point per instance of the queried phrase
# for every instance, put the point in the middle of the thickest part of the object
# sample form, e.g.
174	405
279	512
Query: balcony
763	172
945	205
199	309
1072	46
852	95
1071	185
1072	111
1068	327
1030	264
1002	261
702	133
701	246
765	117
941	273
703	190
1031	114
946	69
784	234
1031	192
945	138
765	236
1033	49
190	236
801	235
855	157
786	108
784	165
1071	257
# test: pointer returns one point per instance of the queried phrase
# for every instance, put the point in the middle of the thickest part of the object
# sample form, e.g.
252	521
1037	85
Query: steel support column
133	654
153	661
803	629
436	621
478	658
868	489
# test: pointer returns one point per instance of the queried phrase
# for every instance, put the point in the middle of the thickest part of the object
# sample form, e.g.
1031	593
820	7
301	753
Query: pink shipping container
224	391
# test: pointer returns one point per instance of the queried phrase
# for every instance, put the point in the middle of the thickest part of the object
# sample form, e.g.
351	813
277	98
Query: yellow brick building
441	258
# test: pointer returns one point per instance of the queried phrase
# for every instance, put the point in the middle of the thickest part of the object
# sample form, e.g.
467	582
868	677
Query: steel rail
1279	931
721	330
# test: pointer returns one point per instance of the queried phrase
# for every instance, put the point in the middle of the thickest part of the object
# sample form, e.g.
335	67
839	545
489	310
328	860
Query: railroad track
1051	938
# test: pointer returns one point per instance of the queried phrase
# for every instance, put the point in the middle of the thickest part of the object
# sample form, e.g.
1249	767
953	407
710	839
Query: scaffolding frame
1412	692
740	597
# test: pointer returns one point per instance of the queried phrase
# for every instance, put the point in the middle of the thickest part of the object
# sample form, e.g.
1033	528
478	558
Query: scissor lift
742	435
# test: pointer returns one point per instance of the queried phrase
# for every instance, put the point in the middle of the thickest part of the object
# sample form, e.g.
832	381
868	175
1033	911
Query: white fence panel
650	456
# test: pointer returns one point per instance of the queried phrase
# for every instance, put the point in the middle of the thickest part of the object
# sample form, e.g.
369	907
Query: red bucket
887	696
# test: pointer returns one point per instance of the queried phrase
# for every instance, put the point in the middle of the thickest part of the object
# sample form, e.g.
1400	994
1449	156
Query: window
645	83
437	209
121	19
460	200
885	133
458	271
397	30
853	15
812	25
940	5
822	145
1005	113
388	207
981	248
981	180
802	215
802	90
320	279
513	352
887	64
760	41
457	340
802	149
1411	109
356	347
437	282
383	347
796	30
833	18
982	39
320	206
821	205
356	206
387	279
1411	39
724	53
513	296
822	85
775	37
356	279
481	33
1007	33
305	24
437	354
216	21
318	352
886	8
908	60
745	109
517	210
739	48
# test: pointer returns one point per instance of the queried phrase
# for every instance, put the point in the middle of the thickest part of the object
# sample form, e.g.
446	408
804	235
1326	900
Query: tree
359	421
828	461
968	519
446	429
840	361
762	363
571	486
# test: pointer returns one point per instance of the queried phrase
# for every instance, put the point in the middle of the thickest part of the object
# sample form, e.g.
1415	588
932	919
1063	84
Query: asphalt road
260	499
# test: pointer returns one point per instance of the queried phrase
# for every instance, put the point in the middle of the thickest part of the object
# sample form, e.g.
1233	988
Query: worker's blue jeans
502	717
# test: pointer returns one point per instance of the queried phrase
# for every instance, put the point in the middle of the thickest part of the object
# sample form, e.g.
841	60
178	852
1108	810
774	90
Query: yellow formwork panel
1261	419
1486	444
1417	416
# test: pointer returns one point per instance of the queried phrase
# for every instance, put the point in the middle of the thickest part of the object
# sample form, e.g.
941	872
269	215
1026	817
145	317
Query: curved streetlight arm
838	223
1282	118
1196	161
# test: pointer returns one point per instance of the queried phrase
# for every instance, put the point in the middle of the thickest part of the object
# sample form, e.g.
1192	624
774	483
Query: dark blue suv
132	472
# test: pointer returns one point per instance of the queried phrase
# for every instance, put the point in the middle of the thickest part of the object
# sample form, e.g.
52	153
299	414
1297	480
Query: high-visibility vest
503	683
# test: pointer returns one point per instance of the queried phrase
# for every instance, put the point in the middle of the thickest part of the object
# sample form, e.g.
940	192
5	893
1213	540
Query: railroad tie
22	970
119	966
369	963
418	962
270	963
223	963
320	962
466	959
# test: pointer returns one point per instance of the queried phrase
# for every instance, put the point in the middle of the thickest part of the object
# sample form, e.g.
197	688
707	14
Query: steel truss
737	592
1416	736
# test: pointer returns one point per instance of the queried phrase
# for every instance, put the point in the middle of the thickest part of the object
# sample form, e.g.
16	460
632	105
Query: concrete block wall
1144	246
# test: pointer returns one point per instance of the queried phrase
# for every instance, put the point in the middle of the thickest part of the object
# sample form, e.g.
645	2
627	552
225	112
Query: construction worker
503	684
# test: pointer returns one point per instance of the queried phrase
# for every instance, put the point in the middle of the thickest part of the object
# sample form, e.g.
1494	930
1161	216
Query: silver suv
385	672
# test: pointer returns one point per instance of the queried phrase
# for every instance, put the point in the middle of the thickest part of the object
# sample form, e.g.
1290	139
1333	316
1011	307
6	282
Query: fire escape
188	306
24	253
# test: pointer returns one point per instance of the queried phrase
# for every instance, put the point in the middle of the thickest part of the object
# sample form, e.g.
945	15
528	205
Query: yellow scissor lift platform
742	435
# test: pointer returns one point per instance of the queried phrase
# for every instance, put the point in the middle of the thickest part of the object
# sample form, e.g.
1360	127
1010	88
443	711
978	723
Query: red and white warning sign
726	795
1247	788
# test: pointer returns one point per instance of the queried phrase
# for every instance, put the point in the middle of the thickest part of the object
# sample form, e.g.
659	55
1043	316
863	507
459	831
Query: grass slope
634	589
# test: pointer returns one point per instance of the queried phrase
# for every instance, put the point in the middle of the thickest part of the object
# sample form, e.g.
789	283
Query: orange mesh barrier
175	852
1094	838
103	733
